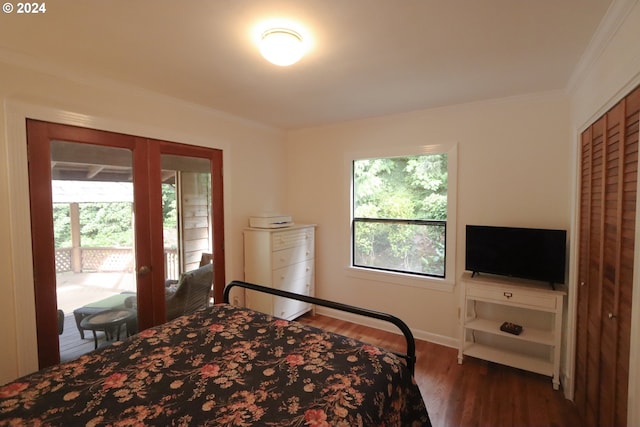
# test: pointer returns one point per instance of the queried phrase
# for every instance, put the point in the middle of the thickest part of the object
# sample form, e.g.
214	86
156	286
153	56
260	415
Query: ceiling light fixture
282	46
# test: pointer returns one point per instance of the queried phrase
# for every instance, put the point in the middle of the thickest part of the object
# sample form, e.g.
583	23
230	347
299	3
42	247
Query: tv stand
490	301
552	285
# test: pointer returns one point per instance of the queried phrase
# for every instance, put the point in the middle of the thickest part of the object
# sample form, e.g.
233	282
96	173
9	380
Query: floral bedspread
224	366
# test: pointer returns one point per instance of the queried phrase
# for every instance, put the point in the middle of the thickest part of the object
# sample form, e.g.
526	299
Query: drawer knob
508	294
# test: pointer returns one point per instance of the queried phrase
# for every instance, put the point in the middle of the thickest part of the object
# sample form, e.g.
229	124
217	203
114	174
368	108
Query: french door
116	217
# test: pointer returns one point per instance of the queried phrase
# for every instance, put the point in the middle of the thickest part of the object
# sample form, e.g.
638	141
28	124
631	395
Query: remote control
511	328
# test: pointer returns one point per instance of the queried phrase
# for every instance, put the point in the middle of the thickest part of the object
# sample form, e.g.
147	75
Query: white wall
612	71
253	173
513	169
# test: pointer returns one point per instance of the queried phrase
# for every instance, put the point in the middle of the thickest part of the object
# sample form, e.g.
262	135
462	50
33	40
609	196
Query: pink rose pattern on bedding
224	366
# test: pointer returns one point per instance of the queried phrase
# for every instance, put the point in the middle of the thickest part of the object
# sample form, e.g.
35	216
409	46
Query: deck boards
71	345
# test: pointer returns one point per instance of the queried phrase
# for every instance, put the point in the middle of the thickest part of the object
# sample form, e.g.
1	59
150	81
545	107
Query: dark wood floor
476	393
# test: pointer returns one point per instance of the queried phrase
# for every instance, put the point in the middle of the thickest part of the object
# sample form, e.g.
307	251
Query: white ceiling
369	57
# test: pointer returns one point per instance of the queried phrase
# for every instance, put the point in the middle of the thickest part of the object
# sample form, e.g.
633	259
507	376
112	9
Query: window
399	214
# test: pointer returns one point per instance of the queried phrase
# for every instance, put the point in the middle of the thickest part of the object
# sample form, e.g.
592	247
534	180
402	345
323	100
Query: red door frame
217	199
148	234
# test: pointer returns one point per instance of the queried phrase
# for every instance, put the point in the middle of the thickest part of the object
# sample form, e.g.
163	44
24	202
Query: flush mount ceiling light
282	46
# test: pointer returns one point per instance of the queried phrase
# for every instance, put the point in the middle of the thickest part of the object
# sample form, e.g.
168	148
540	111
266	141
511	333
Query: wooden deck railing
109	260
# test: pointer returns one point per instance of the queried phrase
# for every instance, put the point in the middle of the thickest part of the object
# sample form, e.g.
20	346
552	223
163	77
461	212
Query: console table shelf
515	360
524	300
529	334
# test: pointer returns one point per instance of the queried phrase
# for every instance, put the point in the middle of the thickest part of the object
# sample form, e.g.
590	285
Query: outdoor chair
60	322
191	293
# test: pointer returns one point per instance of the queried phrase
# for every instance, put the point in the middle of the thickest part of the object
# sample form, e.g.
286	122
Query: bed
226	366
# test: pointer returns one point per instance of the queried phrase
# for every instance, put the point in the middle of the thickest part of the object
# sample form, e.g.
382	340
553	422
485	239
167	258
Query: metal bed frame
409	356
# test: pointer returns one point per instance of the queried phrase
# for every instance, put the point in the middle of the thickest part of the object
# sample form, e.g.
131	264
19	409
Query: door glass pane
93	215
187	221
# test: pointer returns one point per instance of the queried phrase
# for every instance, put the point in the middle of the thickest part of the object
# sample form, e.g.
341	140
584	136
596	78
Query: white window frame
397	278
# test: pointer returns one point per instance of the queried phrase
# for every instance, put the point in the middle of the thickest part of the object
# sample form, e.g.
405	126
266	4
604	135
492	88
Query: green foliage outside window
61	225
169	206
107	224
103	224
400	207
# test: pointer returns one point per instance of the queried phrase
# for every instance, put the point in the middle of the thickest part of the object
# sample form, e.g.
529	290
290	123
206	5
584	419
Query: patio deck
78	289
71	345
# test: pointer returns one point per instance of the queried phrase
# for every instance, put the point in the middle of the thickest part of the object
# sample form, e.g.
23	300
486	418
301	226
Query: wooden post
76	255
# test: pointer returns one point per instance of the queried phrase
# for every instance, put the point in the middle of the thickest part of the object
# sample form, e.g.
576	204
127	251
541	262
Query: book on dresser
281	258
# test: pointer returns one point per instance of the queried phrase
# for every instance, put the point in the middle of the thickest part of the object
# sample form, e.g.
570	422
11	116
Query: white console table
488	301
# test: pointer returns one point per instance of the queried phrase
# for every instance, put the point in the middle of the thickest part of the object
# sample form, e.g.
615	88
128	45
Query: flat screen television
527	253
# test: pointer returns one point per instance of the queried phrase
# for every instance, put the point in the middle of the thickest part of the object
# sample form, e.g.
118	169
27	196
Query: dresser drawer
288	308
286	257
292	238
283	277
514	296
285	307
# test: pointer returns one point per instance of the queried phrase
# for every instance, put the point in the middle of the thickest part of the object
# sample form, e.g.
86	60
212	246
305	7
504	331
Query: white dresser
281	258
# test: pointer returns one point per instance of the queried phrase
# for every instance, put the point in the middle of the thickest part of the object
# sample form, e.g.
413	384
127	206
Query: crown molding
607	29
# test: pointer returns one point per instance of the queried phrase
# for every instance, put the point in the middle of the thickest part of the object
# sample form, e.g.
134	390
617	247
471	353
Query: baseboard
564	381
387	327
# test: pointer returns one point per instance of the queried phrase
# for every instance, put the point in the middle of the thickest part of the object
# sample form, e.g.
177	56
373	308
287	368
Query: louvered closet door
609	166
588	331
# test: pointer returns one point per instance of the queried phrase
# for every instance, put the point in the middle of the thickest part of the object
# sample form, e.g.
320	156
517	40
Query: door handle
144	270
